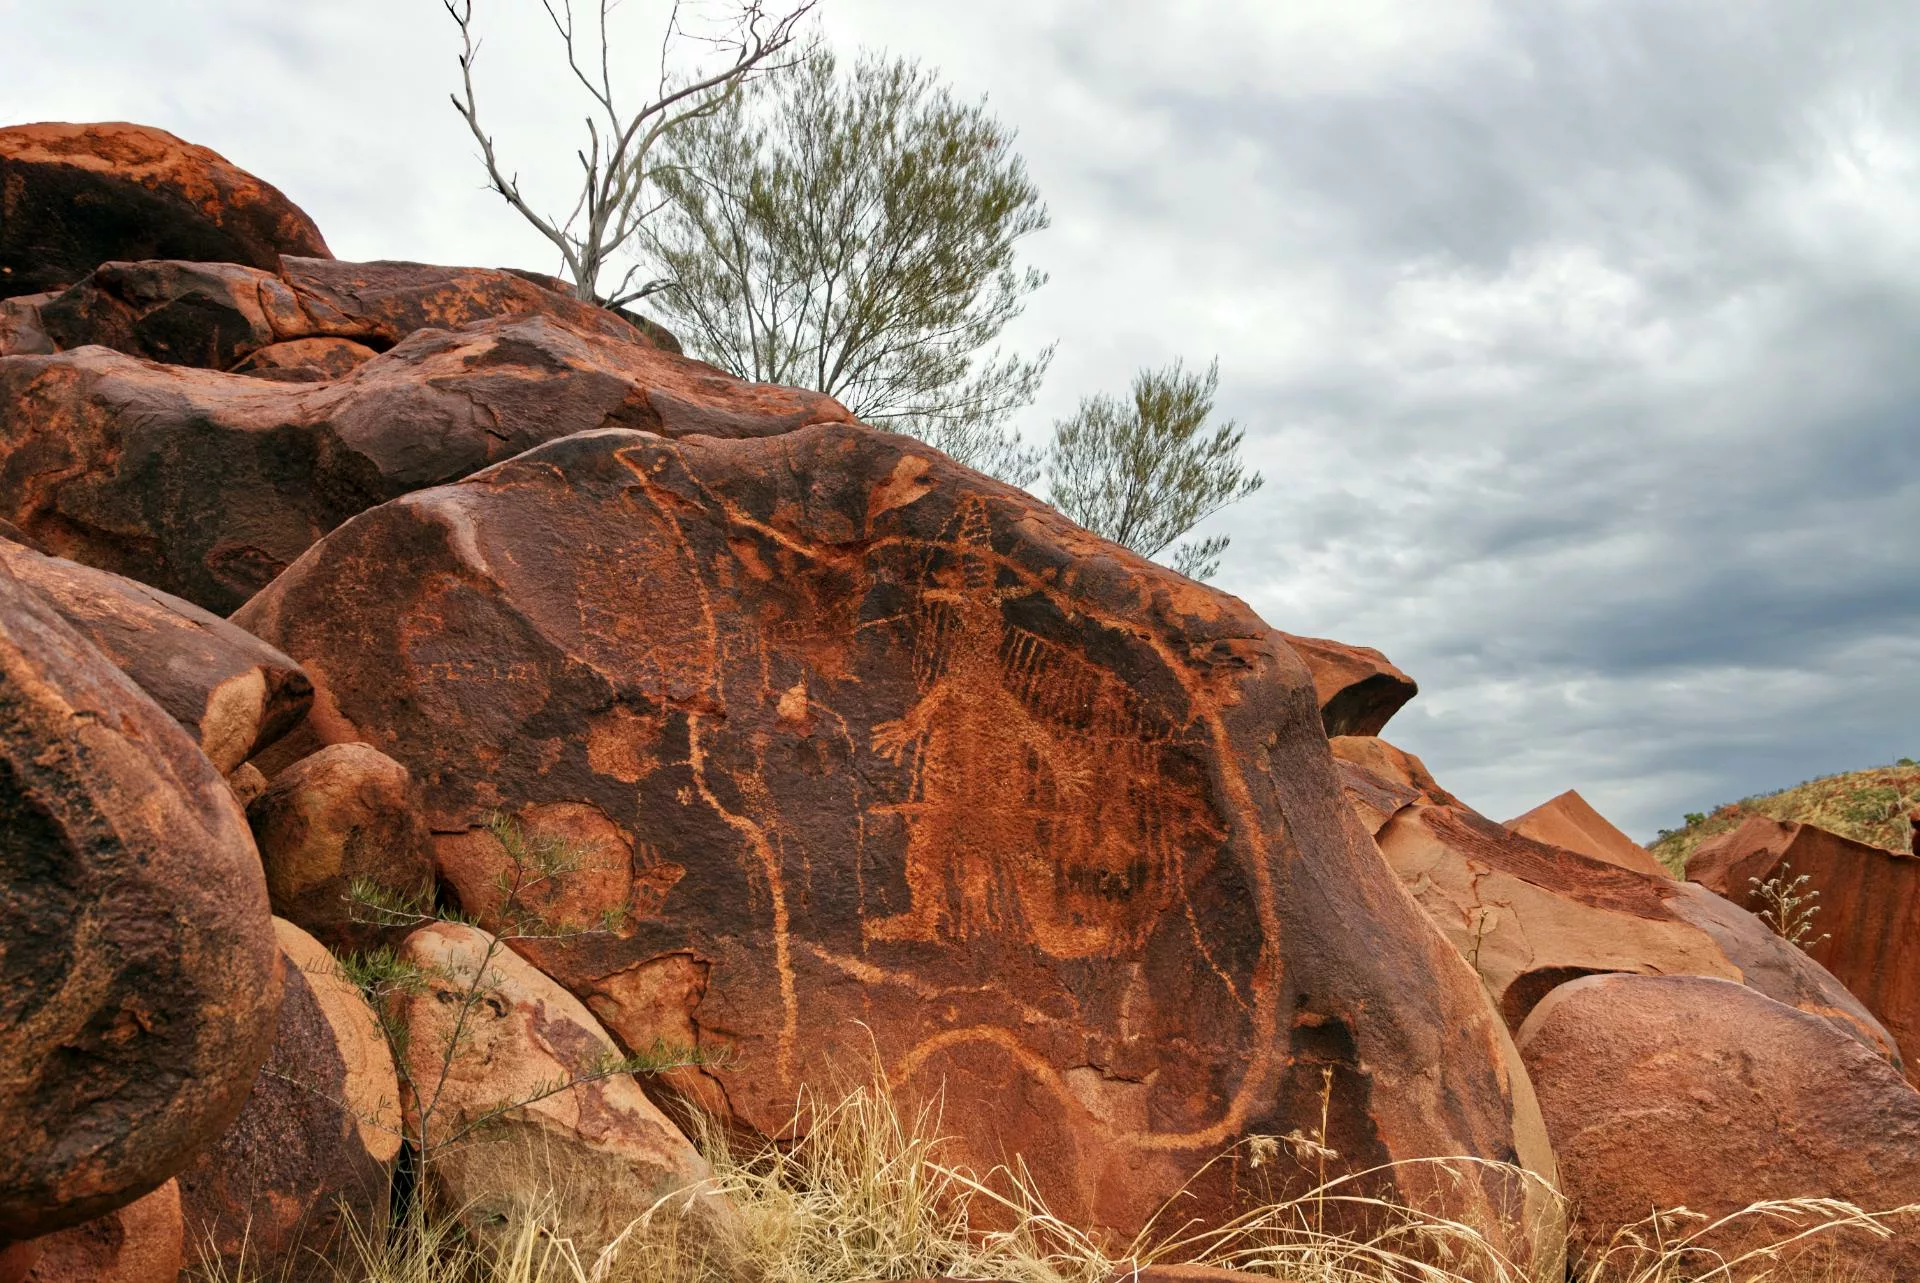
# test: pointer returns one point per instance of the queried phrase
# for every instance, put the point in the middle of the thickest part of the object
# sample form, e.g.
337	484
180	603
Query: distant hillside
1868	806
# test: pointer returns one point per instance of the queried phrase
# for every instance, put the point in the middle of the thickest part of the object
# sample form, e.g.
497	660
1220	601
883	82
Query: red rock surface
1379	779
344	814
1529	917
1569	821
226	316
306	360
139	982
73	196
870	754
1866	926
602	1141
231	691
317	1140
208	485
1359	688
143	1242
1677	1091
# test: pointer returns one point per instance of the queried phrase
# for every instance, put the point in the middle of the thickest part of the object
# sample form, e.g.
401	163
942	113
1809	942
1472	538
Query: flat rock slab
1865	928
73	196
1570	821
207	485
231	691
1664	1092
865	754
138	978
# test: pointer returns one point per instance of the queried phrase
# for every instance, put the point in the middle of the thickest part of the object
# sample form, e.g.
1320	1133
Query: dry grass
1867	806
864	1196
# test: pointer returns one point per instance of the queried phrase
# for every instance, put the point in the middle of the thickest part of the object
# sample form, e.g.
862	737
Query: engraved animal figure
1040	806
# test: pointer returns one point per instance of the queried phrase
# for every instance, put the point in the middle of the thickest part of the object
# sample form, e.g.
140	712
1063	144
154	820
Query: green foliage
1868	806
855	233
1144	472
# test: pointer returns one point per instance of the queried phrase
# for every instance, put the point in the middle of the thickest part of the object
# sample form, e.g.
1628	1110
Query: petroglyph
1039	803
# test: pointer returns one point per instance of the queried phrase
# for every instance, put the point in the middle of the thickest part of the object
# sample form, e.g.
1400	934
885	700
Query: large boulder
138	977
347	814
1569	821
860	753
143	1242
1664	1092
208	485
1378	779
224	316
1529	917
1359	689
1865	924
74	196
231	691
523	1116
317	1140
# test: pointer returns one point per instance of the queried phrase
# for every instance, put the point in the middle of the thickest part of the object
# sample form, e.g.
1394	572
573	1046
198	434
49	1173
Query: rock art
231	691
868	756
208	485
1358	688
227	316
1865	927
1569	821
317	1140
73	196
598	1154
1678	1091
143	1242
138	978
347	812
1530	917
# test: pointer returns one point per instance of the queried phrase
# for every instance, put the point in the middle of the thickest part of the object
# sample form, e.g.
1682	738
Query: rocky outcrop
231	691
74	196
1865	925
316	1142
344	814
1677	1091
861	752
1378	779
143	1242
1570	822
1530	917
207	485
138	983
506	1132
224	316
1359	689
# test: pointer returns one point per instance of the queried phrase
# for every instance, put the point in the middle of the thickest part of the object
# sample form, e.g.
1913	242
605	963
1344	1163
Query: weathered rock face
1379	779
138	978
306	360
601	1143
74	196
1570	822
867	752
231	691
20	330
226	316
1530	917
1866	924
1677	1091
207	485
143	1242
347	812
1359	689
318	1137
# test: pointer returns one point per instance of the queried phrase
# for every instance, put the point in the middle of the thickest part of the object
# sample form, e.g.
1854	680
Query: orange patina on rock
73	196
872	755
1865	925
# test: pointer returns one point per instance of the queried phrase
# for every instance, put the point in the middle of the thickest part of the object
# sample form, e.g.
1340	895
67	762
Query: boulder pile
757	750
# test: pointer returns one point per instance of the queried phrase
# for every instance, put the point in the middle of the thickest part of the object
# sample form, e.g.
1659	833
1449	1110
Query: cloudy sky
1579	340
